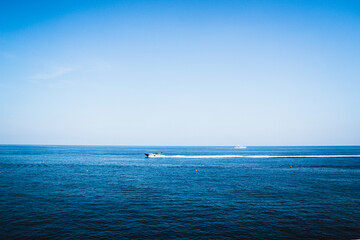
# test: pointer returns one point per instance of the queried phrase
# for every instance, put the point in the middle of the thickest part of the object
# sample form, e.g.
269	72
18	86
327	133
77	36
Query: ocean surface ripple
114	192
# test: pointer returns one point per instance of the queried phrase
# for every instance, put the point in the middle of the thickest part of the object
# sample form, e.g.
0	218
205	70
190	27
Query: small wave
258	156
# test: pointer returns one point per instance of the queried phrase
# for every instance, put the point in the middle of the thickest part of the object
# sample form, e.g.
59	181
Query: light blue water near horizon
114	192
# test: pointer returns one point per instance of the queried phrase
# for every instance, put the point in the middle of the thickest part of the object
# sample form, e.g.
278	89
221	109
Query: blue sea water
114	192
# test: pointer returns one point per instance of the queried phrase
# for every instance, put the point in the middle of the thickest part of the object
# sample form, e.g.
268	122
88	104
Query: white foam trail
257	156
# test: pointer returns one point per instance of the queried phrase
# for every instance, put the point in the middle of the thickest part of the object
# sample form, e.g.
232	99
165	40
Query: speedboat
154	155
239	147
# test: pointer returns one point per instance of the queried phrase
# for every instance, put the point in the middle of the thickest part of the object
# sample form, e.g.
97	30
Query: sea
115	192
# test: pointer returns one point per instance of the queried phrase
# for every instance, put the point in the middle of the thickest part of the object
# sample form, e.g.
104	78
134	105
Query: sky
215	73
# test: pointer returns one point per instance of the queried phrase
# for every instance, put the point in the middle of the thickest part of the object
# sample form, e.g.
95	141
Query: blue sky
180	72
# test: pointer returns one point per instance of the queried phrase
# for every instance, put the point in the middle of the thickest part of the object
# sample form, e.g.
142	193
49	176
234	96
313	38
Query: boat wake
256	156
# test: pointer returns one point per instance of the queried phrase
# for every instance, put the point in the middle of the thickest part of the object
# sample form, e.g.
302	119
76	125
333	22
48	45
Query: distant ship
154	155
239	147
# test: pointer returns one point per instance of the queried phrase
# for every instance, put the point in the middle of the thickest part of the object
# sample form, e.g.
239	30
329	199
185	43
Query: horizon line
130	145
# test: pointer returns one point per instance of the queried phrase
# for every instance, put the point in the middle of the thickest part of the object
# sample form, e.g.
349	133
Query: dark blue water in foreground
46	192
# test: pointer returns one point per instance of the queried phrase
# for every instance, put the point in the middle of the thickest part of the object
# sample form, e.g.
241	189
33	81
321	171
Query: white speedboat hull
154	155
